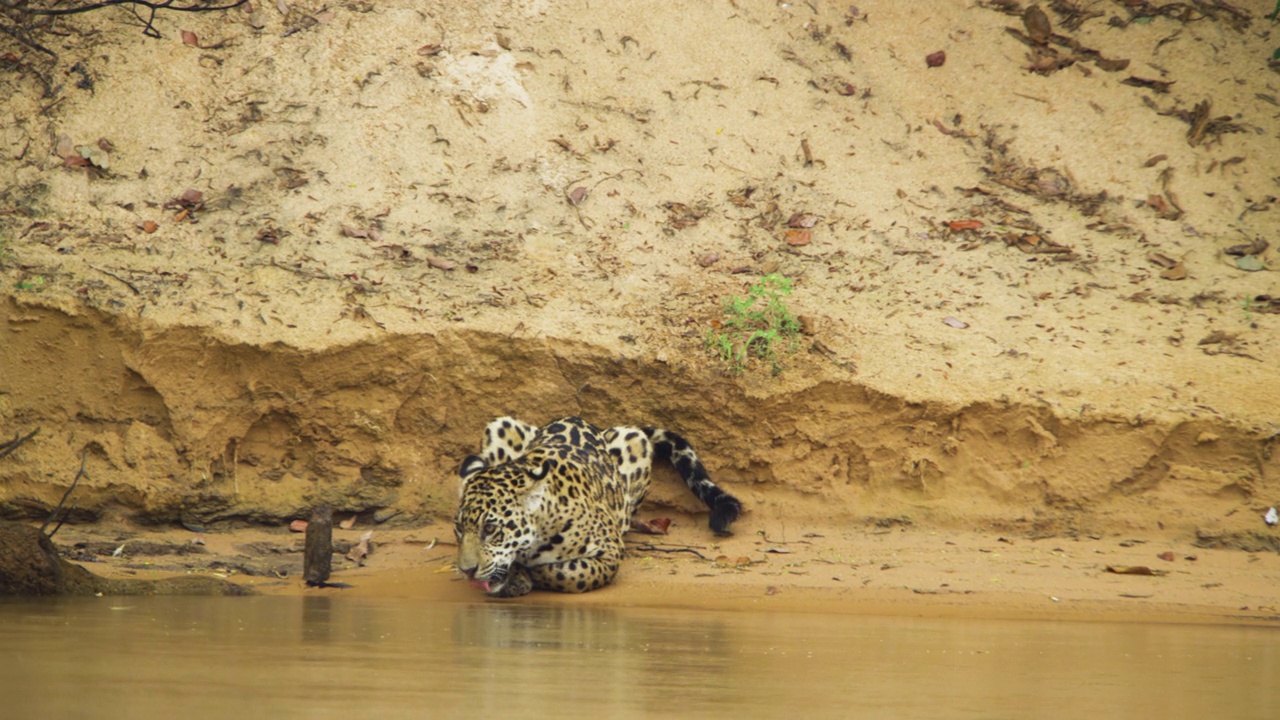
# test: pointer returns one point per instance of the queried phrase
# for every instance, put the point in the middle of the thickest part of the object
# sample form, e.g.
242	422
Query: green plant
755	325
35	283
1247	306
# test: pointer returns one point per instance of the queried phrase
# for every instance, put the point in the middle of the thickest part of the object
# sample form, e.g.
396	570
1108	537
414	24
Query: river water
351	658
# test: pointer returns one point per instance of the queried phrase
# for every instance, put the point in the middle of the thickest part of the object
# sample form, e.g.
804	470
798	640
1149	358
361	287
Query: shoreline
905	572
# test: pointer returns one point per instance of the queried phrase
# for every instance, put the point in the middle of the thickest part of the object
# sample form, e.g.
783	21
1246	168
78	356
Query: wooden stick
317	560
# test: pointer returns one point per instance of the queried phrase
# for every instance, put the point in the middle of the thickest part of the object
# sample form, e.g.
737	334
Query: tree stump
317	560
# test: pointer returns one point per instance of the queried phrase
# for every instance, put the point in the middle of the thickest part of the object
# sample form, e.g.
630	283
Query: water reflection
356	658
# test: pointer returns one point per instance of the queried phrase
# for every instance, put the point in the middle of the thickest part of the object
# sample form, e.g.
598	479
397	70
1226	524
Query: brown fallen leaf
936	59
149	226
708	259
1037	23
1163	261
802	220
808	326
1257	247
655	526
577	195
439	263
65	147
298	526
798	238
348	523
1166	556
189	38
1111	64
958	225
1160	86
1216	337
1177	272
1135	570
361	550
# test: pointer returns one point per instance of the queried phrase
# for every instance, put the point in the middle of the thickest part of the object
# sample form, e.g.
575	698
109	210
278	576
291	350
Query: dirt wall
180	425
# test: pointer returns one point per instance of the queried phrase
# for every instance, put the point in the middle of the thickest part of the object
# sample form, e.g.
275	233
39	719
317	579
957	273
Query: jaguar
547	507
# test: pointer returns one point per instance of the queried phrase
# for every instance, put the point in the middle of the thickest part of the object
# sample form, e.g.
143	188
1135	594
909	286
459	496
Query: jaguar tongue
481	584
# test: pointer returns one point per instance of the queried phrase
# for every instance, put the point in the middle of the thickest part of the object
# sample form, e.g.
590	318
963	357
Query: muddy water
356	658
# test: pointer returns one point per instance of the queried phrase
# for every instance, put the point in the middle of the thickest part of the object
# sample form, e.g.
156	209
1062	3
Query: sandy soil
304	256
881	568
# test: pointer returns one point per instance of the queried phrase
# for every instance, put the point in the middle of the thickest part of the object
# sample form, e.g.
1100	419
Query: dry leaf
189	38
298	526
955	322
439	263
577	195
1037	23
708	259
361	550
1134	570
936	59
957	225
65	147
1257	247
798	238
659	525
1177	272
149	226
802	220
348	523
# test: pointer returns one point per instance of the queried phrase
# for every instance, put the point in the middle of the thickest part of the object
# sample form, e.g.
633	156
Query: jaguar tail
669	446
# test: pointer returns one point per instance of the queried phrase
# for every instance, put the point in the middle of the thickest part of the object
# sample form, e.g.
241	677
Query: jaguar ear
541	470
472	465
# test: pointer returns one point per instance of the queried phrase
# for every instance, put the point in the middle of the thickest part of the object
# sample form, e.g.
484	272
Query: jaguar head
496	523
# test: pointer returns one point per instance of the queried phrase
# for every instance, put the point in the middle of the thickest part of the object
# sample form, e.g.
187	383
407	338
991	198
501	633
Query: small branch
148	28
131	286
21	37
6	449
84	455
654	548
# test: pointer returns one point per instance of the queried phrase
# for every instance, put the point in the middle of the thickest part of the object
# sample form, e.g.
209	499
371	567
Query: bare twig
7	448
84	455
654	548
21	37
117	277
148	28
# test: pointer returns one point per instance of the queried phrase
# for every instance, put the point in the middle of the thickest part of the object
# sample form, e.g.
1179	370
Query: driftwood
30	565
317	559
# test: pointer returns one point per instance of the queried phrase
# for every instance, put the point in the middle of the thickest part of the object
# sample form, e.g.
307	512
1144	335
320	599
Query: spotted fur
547	507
